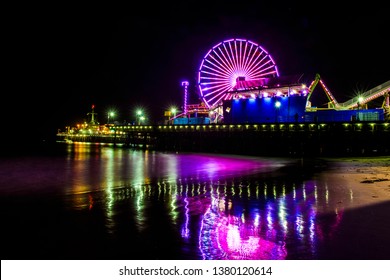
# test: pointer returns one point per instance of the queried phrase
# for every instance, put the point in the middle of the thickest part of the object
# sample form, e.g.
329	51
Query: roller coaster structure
357	102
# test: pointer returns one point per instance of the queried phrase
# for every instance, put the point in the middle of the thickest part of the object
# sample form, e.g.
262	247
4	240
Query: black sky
66	58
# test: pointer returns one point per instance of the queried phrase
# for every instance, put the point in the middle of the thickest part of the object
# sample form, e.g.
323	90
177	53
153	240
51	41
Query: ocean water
94	201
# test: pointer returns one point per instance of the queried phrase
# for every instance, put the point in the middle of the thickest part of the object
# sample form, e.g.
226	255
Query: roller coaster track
360	100
357	102
330	96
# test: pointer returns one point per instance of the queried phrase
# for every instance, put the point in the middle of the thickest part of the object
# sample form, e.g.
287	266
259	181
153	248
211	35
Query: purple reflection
265	229
213	167
185	230
115	167
232	238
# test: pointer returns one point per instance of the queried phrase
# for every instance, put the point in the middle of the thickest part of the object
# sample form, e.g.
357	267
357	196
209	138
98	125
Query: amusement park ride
236	73
239	88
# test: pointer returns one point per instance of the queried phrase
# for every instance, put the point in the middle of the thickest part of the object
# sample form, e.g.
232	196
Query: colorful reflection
213	205
231	237
226	222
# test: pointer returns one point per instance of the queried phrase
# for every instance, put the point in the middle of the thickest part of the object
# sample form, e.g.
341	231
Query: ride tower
185	99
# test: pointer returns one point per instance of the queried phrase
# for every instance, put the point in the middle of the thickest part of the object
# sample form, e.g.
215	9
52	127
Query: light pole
110	114
173	111
139	116
360	100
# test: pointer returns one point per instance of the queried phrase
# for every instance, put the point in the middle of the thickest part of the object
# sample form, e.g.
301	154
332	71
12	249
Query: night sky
66	58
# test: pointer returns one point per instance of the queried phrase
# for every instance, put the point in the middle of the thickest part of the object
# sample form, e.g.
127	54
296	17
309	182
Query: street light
139	116
110	114
174	111
360	100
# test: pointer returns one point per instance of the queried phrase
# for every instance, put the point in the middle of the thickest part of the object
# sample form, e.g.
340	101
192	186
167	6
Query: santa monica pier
246	107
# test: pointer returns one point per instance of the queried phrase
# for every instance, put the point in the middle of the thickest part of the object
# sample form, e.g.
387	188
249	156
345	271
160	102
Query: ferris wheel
226	62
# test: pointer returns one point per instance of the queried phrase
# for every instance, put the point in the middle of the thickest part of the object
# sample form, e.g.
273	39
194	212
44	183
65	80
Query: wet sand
364	232
368	178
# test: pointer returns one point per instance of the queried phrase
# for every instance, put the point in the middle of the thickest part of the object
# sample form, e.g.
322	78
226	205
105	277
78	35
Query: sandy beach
362	190
368	178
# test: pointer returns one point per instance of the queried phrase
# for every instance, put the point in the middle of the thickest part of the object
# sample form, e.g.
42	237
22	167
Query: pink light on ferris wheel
229	60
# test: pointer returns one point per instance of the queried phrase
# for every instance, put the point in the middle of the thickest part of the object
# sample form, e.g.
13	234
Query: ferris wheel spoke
237	56
216	101
218	63
261	69
229	57
210	78
264	65
216	68
218	95
214	83
263	72
255	54
216	86
222	61
247	56
221	89
214	94
242	56
212	74
230	67
252	62
258	63
233	59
